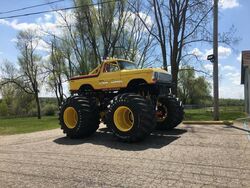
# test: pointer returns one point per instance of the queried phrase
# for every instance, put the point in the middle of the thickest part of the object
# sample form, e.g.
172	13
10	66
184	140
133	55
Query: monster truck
132	102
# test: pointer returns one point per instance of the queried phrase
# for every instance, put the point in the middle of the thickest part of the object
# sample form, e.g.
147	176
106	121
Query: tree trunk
174	67
174	72
38	106
164	57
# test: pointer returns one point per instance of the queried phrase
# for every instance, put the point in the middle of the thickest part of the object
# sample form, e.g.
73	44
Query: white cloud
13	40
147	19
42	46
61	16
230	86
233	92
20	26
227	68
208	67
132	17
229	81
239	58
45	23
47	17
234	77
49	23
223	52
228	4
197	52
3	22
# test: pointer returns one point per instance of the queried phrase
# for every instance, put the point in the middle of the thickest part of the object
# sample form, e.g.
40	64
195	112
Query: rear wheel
169	113
79	117
130	117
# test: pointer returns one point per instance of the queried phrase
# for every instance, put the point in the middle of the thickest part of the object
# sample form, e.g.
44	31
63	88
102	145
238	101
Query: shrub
3	108
49	110
32	112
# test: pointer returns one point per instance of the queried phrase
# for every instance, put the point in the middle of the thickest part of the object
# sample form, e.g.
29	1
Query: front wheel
130	117
169	113
79	117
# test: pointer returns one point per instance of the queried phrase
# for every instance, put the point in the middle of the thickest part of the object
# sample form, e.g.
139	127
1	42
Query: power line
55	10
33	6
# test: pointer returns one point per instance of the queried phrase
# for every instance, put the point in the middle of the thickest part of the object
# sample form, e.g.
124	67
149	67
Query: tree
178	24
191	89
56	68
18	102
26	76
100	27
161	31
155	31
135	42
28	60
108	29
188	21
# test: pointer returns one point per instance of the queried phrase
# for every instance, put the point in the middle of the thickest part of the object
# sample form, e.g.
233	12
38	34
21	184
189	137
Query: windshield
125	65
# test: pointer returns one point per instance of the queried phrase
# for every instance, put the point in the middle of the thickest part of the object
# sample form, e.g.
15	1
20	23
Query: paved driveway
189	156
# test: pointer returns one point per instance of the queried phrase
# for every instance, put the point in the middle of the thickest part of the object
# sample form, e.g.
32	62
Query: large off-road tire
131	117
169	114
79	117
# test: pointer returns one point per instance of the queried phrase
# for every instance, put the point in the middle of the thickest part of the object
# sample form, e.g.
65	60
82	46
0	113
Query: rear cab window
111	67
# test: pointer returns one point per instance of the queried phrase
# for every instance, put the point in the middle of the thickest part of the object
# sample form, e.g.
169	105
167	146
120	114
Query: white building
245	78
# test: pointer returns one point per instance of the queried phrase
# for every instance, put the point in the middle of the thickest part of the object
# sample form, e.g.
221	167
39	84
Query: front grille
164	77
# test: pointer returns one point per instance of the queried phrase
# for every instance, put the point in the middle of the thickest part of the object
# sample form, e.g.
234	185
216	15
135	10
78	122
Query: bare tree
135	42
56	69
158	29
178	24
187	24
103	31
27	75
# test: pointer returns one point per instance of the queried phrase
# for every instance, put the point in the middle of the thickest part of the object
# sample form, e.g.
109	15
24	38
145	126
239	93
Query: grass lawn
32	124
206	114
27	124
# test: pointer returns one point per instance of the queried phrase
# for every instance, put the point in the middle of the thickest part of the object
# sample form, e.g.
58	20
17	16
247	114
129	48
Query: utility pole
215	63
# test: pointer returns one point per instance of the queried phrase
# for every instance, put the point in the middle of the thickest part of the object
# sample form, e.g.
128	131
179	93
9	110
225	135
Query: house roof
245	63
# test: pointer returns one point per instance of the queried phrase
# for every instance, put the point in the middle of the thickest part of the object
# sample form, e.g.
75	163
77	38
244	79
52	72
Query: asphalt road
189	156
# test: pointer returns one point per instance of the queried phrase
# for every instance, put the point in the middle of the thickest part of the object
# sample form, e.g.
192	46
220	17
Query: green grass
32	124
27	125
206	114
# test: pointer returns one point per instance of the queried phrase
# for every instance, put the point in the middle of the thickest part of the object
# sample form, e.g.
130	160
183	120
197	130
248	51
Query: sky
231	12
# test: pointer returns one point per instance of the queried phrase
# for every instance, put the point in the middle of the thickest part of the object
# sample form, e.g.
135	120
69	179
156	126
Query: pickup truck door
110	76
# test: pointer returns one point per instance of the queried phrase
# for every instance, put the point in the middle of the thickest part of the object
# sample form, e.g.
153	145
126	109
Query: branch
198	24
196	70
24	88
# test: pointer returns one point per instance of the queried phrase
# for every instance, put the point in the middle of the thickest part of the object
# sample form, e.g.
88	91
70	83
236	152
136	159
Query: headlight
155	76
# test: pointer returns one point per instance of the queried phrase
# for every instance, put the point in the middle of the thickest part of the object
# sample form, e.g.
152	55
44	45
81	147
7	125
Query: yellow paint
118	79
70	117
123	118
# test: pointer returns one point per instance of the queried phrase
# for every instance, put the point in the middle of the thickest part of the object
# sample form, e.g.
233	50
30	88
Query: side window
111	67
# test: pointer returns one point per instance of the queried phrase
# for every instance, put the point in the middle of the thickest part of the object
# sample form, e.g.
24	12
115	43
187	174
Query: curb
209	122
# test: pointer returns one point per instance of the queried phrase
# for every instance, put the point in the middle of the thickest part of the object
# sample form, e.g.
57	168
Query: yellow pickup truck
115	74
132	102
